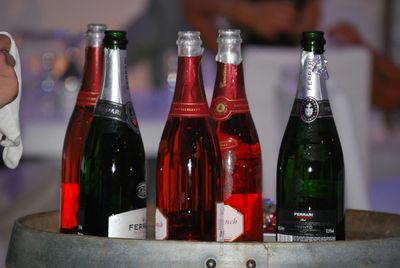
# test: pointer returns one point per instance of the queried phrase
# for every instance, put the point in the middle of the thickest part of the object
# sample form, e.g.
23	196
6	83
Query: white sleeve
10	134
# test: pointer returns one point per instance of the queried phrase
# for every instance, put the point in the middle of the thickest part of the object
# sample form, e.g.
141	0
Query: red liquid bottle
240	147
189	194
78	127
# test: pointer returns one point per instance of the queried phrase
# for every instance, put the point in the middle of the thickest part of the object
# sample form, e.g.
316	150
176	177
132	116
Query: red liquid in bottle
75	136
188	163
241	156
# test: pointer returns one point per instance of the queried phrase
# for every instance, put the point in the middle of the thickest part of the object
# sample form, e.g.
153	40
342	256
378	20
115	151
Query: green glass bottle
310	173
112	178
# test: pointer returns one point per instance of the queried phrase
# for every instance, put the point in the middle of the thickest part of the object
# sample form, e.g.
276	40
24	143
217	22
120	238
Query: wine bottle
189	194
78	127
112	177
310	173
239	144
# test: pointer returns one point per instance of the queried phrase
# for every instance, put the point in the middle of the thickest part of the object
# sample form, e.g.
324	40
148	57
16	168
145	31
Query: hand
8	77
344	33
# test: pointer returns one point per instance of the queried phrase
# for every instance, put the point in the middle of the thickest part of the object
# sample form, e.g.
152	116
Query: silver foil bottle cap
95	34
229	36
96	28
189	44
229	47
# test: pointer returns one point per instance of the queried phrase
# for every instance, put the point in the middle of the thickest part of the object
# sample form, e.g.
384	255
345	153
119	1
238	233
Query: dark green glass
115	39
313	41
112	177
310	172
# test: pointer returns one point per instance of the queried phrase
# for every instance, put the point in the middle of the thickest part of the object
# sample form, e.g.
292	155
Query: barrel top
373	232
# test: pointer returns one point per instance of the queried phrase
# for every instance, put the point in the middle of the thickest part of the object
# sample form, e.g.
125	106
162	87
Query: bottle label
228	144
233	224
161	226
243	217
131	224
312	77
222	108
87	98
309	109
117	111
69	205
180	109
220	210
306	225
141	190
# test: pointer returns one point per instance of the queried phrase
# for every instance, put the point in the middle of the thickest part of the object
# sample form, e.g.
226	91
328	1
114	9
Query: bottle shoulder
107	129
240	125
195	133
309	138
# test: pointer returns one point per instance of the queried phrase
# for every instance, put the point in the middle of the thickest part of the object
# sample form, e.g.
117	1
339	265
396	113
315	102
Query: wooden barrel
373	240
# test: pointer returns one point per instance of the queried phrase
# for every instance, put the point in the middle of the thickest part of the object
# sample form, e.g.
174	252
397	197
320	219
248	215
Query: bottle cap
95	34
189	43
96	28
229	36
229	50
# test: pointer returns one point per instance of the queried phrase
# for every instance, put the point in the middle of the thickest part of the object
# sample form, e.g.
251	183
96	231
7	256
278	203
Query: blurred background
363	52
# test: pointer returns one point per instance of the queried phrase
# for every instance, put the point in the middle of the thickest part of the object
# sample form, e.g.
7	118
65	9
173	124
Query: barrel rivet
251	264
211	263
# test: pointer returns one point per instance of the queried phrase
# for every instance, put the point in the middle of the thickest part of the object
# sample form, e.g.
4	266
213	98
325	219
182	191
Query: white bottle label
130	224
233	223
220	222
161	225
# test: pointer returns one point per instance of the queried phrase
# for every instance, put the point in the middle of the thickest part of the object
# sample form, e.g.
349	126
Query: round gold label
221	108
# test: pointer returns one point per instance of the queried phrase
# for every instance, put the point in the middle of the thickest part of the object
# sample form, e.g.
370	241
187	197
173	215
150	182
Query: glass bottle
113	185
189	195
310	173
239	144
78	127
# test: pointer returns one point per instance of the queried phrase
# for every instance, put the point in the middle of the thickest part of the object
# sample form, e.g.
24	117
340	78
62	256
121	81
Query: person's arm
265	19
8	78
309	16
385	74
201	15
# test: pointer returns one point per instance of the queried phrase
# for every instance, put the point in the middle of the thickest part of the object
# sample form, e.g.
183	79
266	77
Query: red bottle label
87	98
222	107
180	109
228	143
246	220
69	205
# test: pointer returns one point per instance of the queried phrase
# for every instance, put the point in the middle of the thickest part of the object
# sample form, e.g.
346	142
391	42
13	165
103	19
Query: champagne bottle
78	127
113	186
189	195
239	144
310	174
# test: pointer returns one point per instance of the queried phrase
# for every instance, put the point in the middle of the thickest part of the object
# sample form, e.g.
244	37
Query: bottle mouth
115	39
229	46
95	34
189	38
189	43
313	41
229	36
96	28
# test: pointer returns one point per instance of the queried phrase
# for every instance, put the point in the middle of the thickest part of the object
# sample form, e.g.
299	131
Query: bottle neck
312	78
229	53
92	76
115	79
229	81
189	97
93	70
189	81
